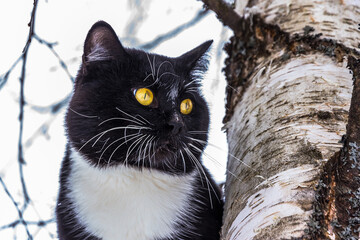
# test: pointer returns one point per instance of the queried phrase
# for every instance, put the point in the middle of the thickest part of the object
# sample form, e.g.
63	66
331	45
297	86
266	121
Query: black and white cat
136	126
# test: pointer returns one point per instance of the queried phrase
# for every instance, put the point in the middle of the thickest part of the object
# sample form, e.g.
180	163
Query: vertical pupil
187	105
145	95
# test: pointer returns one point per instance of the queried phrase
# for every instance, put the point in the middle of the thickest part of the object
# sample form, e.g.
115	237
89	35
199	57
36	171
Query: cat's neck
113	202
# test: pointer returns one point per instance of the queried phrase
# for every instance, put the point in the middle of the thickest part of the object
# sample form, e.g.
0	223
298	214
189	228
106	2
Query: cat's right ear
102	44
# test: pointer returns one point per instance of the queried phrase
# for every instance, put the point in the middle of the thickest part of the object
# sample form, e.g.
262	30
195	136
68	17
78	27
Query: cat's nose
176	127
176	124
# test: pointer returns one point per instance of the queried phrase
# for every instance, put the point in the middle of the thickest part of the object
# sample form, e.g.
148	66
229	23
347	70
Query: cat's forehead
162	73
159	67
167	82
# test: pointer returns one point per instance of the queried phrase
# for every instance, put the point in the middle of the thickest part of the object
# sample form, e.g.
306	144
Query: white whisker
145	148
104	145
129	115
183	159
112	154
82	115
109	130
132	147
196	161
151	67
193	81
144	119
154	65
197	132
140	149
168	73
157	73
119	118
150	74
117	140
213	145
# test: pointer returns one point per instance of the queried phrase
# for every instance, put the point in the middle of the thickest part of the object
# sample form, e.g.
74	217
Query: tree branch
224	13
21	160
158	40
5	77
20	212
31	24
51	47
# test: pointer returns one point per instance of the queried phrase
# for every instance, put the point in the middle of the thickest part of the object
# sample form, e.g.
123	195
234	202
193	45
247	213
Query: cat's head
136	108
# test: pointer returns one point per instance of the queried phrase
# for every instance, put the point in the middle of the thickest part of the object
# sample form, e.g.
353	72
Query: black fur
104	90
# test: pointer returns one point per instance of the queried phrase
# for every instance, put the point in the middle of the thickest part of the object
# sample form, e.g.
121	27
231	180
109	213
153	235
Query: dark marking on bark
323	115
336	208
311	151
324	212
244	50
274	230
348	171
353	128
308	29
257	40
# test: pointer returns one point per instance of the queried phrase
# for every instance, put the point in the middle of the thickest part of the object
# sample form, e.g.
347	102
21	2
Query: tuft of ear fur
102	44
195	60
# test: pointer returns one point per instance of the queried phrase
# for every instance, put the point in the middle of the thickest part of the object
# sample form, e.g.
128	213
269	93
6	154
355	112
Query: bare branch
5	77
21	160
31	24
54	109
160	39
225	13
20	212
40	223
51	47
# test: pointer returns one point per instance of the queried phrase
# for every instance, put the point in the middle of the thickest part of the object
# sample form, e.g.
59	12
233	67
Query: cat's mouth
166	148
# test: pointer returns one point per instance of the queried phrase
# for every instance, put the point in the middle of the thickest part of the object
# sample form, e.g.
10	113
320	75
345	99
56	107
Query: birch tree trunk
293	160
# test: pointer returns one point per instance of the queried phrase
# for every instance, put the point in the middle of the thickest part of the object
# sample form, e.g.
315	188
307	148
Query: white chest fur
125	203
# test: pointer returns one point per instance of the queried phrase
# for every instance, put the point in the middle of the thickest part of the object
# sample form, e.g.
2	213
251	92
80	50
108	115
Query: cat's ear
193	58
102	44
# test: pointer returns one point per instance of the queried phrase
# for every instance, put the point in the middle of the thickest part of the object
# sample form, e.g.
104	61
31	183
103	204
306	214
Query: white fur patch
173	92
123	203
98	53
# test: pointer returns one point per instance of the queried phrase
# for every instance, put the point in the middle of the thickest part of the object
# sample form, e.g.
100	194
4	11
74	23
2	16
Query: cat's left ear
102	44
192	59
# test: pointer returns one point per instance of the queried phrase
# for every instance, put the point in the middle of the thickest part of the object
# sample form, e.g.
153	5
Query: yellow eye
186	106
144	96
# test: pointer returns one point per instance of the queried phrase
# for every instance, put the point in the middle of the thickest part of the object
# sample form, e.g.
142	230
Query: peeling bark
289	122
294	145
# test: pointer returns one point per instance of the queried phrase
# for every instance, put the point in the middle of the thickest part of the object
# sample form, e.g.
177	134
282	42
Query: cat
137	125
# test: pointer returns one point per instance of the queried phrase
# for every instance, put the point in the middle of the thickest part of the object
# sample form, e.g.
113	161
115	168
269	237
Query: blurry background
28	187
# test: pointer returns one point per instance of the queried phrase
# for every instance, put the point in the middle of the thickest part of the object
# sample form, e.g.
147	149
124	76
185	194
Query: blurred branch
21	160
31	24
20	212
5	77
139	9
51	47
28	223
161	38
54	109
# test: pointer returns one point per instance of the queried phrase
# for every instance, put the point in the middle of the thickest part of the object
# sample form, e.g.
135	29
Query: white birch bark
288	124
